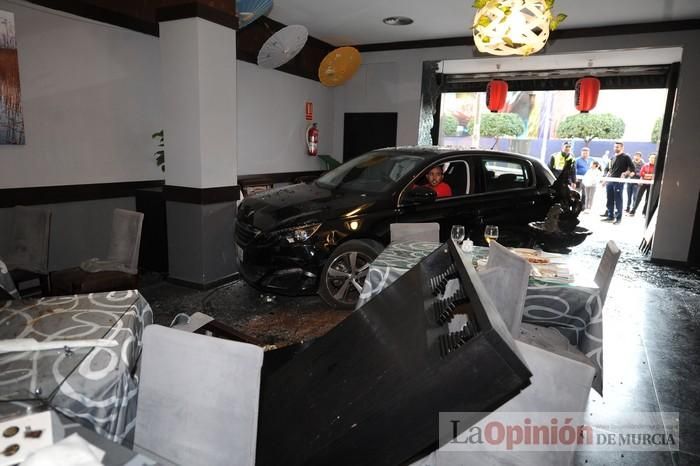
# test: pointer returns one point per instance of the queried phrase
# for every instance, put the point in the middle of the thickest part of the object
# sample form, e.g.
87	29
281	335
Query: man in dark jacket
619	165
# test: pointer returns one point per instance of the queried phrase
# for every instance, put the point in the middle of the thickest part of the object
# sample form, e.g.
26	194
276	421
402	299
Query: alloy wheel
346	276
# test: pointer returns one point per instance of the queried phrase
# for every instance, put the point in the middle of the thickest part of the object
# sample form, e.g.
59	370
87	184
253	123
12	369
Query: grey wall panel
200	241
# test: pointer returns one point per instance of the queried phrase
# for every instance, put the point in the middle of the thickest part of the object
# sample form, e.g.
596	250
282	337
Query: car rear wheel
345	272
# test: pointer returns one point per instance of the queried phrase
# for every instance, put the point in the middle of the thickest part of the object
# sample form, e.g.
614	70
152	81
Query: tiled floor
651	334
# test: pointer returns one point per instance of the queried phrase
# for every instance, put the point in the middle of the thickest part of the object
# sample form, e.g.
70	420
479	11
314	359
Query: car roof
435	152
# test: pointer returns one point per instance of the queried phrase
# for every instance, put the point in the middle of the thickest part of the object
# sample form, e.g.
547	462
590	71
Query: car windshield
374	172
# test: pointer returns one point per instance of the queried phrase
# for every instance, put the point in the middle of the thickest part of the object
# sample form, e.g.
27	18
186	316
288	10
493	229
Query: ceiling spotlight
397	21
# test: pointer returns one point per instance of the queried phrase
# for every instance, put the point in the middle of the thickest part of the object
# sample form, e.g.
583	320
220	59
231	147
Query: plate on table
531	255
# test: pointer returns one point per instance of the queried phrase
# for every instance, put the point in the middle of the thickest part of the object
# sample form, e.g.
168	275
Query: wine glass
457	233
490	233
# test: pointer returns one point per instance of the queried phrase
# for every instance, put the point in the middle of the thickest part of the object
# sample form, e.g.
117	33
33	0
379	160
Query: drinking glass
457	233
490	233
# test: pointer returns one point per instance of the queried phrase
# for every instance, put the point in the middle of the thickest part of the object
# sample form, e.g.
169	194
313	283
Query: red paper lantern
587	90
496	92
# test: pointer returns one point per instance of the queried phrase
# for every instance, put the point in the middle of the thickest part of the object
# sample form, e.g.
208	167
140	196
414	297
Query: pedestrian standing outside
632	188
559	160
582	165
590	183
646	173
620	164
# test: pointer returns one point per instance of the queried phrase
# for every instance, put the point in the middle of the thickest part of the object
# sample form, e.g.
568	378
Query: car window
374	172
500	174
457	176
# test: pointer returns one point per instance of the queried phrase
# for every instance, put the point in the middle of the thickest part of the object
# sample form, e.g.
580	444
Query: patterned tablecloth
97	386
6	282
574	309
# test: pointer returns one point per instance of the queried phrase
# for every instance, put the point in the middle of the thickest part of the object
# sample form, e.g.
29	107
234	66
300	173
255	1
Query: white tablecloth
98	386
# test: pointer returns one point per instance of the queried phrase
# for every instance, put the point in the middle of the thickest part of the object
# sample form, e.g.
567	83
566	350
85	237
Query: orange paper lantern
587	90
339	66
496	92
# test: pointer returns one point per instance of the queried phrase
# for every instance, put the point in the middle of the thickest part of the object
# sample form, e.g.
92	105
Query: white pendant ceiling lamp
282	46
513	27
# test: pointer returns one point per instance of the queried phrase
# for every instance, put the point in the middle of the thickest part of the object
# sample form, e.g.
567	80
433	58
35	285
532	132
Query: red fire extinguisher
312	139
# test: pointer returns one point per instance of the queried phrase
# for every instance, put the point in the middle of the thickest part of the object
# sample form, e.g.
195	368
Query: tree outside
449	126
588	126
496	125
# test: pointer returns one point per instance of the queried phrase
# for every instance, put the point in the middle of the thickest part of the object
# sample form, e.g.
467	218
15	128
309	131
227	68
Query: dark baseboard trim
670	263
577	33
272	178
72	193
103	15
202	196
196	10
204	286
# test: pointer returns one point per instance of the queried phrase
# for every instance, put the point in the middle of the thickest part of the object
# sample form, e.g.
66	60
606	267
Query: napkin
72	450
15	345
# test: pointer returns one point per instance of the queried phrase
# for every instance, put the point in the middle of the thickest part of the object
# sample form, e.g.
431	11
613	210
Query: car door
507	191
459	209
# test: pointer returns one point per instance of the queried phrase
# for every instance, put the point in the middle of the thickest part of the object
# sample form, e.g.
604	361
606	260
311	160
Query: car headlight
300	233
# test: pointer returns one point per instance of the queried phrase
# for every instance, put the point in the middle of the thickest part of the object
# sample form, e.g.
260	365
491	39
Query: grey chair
606	269
505	278
29	258
119	271
124	244
415	232
198	398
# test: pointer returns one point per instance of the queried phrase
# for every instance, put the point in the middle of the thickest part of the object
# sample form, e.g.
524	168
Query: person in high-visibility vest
559	160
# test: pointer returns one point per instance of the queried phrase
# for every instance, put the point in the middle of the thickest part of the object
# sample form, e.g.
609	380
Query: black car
321	237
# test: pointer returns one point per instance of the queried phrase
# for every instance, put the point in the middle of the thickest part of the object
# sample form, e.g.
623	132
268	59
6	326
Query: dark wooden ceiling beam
305	64
121	17
577	33
143	16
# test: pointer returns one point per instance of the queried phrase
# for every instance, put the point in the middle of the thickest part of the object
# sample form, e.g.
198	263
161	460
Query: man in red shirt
434	177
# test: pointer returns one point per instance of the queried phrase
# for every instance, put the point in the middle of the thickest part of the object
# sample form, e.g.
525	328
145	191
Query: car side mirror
419	195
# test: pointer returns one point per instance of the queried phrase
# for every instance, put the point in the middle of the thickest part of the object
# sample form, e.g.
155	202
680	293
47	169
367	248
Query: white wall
271	124
400	75
91	100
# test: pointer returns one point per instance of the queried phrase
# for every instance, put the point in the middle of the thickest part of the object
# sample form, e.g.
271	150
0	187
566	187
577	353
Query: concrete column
198	73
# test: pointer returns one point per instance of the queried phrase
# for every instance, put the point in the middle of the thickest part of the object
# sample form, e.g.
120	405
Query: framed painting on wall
11	119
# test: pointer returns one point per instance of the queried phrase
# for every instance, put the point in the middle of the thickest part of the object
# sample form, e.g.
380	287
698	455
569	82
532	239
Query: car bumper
281	267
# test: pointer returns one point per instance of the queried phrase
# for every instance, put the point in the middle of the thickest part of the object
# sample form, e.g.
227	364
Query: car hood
301	203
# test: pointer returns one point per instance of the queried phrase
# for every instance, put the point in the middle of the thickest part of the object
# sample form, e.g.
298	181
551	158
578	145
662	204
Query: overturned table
574	309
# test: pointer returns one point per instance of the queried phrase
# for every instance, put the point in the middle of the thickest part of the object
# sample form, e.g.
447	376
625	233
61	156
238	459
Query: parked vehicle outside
322	236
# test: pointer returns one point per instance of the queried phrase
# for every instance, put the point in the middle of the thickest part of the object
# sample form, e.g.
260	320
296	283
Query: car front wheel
345	272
